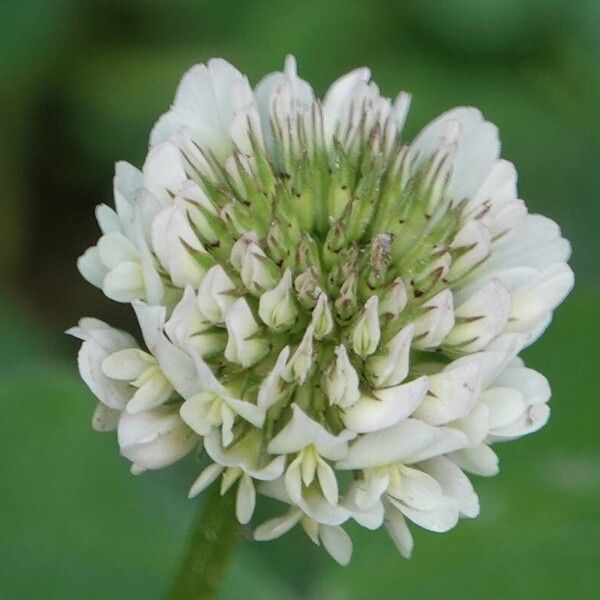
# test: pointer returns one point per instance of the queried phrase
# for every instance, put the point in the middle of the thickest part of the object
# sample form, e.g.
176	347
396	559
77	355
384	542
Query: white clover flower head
318	296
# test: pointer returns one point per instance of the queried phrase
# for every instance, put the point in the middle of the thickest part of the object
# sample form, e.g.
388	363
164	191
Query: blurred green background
81	83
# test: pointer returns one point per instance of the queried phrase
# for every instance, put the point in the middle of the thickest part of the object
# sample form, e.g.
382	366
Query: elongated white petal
244	346
154	389
114	394
341	382
451	394
245	454
91	266
416	489
366	333
155	439
388	407
245	500
271	389
440	519
205	478
277	308
125	282
301	361
506	405
396	527
274	528
127	365
302	431
216	294
409	441
481	318
115	248
436	322
337	542
454	482
390	367
479	460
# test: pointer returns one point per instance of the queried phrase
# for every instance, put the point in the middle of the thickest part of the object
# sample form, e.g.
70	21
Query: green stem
210	546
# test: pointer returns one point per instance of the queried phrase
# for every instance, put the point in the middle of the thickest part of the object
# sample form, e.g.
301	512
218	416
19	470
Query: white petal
215	295
152	321
126	182
480	460
533	385
327	481
163	172
271	388
245	500
499	187
394	300
535	242
145	210
205	478
337	542
366	333
206	103
91	267
506	405
293	480
397	529
179	368
337	99
391	367
302	431
244	453
409	441
301	361
277	308
476	148
155	439
114	394
195	412
369	513
274	528
186	321
481	318
436	322
238	251
341	381
154	392
127	365
243	347
322	319
454	484
389	406
473	242
441	519
115	248
475	425
369	489
417	489
534	418
173	240
452	393
533	302
125	282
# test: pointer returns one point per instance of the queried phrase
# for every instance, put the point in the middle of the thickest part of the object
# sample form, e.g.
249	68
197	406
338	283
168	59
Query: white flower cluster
331	316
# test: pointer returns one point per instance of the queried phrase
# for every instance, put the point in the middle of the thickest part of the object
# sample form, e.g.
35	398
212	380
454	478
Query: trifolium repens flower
331	314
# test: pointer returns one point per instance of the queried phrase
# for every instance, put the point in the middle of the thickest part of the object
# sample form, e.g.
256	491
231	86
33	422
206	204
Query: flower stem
210	546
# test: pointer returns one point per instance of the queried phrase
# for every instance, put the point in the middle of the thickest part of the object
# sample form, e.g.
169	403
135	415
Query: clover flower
331	314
